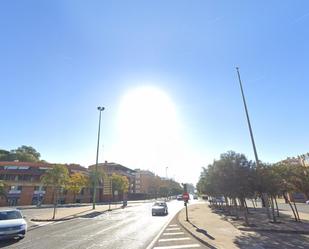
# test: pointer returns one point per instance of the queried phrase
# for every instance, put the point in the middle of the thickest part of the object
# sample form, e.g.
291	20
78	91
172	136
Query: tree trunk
236	208
266	203
287	200
253	204
246	206
296	211
227	204
273	210
55	203
242	203
278	214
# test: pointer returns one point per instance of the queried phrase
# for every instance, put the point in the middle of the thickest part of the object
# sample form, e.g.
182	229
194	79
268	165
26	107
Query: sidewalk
67	213
221	231
208	226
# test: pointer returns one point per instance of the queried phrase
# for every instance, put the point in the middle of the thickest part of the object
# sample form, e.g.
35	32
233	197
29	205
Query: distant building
23	185
114	168
143	181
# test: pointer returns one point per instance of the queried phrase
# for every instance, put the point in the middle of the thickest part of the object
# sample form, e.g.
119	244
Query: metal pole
187	219
248	120
97	161
111	193
264	195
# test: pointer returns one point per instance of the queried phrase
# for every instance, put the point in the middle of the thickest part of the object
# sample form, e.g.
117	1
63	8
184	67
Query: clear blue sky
60	59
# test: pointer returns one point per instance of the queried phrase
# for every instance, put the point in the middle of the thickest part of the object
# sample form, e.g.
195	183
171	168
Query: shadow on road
272	240
8	242
204	232
92	214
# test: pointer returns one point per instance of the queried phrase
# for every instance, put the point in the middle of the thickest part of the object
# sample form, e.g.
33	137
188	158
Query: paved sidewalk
208	226
218	231
66	213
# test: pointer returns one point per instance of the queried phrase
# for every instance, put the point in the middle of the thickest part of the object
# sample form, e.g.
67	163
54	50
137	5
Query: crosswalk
174	237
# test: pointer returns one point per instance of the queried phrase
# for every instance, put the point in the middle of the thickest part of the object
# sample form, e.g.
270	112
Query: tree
231	176
120	184
2	189
27	154
56	178
4	155
22	154
76	183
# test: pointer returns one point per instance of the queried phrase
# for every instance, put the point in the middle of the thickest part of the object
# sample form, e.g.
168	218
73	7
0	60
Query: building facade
143	181
23	184
110	168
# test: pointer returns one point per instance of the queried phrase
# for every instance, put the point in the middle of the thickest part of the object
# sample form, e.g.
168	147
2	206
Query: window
10	215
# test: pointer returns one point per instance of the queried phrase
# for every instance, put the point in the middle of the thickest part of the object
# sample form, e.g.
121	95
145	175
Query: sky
164	71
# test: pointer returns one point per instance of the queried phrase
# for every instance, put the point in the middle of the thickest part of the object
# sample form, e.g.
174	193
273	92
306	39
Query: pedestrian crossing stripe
178	246
173	239
177	233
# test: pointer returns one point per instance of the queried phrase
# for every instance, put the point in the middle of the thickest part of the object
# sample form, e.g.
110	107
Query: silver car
12	224
159	208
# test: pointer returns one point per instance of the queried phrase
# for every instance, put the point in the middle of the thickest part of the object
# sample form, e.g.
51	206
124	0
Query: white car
12	224
159	208
307	202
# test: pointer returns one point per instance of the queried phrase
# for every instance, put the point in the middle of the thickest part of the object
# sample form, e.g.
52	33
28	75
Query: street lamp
97	161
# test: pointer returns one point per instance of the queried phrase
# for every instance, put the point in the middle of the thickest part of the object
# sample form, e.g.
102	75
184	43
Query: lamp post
264	195
97	161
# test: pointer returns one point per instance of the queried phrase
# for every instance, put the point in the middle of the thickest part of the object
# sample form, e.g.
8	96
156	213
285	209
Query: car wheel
153	214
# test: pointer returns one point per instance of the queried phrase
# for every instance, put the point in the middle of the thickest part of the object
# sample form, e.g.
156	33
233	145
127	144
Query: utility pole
166	172
248	119
264	195
97	162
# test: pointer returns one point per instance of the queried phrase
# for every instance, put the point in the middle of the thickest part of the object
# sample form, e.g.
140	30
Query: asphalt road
130	228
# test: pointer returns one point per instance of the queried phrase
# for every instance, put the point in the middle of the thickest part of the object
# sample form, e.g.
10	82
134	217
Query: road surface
129	228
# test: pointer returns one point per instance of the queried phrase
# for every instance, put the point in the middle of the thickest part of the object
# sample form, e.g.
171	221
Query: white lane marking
178	246
173	225
150	246
172	229
174	239
178	233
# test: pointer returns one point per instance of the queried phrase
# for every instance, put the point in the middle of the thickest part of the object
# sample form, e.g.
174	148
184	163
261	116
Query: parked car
159	208
12	224
179	197
307	202
195	197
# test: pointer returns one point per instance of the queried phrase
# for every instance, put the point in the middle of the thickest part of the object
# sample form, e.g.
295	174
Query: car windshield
10	215
161	204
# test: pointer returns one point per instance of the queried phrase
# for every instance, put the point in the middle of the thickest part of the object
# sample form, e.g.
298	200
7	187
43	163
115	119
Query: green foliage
232	176
56	177
22	154
120	183
235	177
2	189
100	176
76	182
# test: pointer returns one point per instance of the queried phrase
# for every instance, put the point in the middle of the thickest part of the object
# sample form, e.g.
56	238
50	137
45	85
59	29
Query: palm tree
56	178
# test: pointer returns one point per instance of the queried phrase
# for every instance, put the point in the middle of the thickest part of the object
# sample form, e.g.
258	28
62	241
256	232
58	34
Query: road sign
185	196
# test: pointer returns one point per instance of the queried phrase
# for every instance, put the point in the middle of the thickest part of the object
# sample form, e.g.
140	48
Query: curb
272	230
73	217
193	235
45	220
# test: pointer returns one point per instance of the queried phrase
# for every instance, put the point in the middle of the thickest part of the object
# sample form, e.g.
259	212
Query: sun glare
147	123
